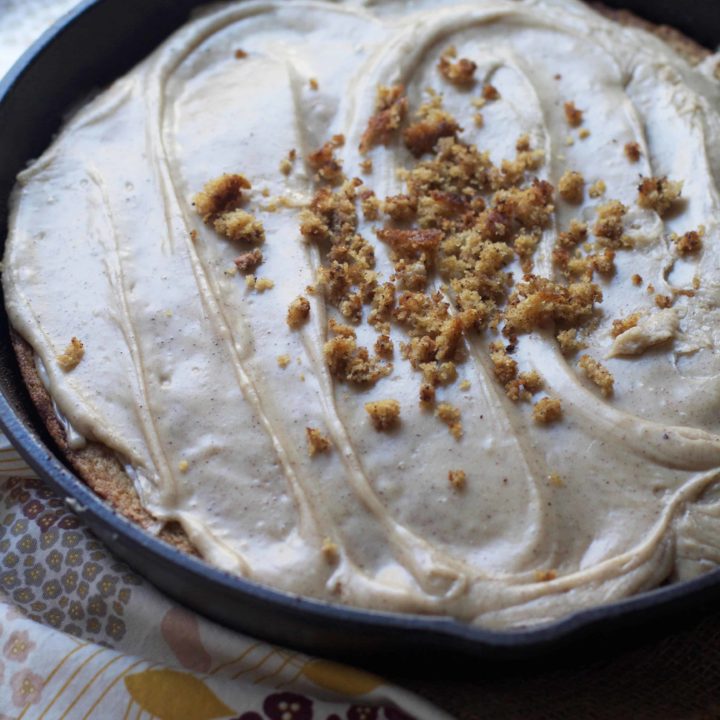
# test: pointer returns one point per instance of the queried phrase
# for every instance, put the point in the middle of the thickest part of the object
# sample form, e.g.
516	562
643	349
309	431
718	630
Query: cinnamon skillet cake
408	305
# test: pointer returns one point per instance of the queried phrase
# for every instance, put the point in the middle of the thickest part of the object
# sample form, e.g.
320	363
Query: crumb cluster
74	353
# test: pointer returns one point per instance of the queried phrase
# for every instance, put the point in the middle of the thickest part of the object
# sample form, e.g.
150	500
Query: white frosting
180	362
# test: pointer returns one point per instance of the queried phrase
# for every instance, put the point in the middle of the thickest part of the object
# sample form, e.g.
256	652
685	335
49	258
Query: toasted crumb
370	204
248	260
316	441
490	92
637	279
568	341
663	301
573	116
384	414
574	235
650	289
263	284
221	195
597	189
239	226
314	85
427	394
548	410
324	162
250	282
504	366
571	186
608	227
286	164
183	466
465	385
623	324
283	361
352	363
545	575
298	312
390	110
240	54
555	480
72	356
632	151
450	415
366	165
584	134
689	243
461	72
384	346
598	374
330	551
434	123
457	479
658	194
479	119
400	208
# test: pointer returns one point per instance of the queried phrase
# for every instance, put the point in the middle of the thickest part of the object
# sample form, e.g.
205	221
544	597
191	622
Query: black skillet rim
310	625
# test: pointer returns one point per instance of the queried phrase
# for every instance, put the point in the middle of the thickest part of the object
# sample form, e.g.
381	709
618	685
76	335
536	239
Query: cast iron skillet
87	49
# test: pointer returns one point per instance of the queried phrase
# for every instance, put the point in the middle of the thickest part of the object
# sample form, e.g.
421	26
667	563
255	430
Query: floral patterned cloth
82	636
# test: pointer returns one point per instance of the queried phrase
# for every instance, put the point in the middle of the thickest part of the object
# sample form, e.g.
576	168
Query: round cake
406	305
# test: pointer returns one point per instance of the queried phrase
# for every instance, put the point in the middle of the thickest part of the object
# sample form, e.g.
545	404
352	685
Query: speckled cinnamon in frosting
482	403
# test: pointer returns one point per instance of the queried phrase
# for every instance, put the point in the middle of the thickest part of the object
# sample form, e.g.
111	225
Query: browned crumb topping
461	72
598	374
539	301
479	120
432	124
524	386
597	189
490	92
384	347
465	385
451	416
427	393
457	479
352	363
569	342
637	279
384	414
574	235
689	243
283	361
248	260
573	116
262	284
390	110
584	134
545	575
286	164
240	226
400	208
663	301
571	186
346	274
72	356
548	410
324	162
658	194
316	441
370	204
504	366
366	165
608	226
298	312
623	324
314	85
650	289
240	54
221	195
632	151
330	551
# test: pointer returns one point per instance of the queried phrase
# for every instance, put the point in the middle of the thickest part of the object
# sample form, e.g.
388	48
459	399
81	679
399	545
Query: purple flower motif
18	646
27	687
362	712
288	706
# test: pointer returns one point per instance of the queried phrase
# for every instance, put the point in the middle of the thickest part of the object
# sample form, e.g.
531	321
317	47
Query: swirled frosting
180	378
